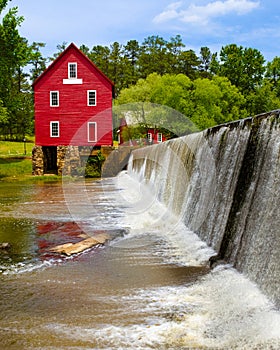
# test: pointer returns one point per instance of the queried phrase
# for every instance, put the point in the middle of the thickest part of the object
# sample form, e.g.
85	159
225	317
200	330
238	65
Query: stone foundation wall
71	160
61	152
37	161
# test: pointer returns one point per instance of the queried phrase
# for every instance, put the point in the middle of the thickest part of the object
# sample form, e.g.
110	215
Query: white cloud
196	14
169	13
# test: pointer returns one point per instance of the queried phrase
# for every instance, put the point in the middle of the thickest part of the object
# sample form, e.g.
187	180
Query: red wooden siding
73	112
156	136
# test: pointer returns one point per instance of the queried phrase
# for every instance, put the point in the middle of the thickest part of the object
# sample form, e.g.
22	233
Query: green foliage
37	61
16	98
273	74
244	67
134	132
125	64
60	49
3	4
202	102
236	78
94	166
3	115
264	99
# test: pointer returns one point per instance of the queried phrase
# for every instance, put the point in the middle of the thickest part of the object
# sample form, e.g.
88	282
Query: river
148	287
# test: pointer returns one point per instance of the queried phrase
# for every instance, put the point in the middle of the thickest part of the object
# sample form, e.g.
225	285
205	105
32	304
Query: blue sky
212	23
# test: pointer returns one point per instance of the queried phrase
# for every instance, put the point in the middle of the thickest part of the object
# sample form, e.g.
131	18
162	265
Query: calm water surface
148	287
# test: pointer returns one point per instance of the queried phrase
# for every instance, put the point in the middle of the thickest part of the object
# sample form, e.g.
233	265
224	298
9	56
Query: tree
264	99
174	51
158	101
131	55
153	56
232	102
231	63
99	55
188	63
202	103
205	62
116	67
60	49
273	74
214	64
3	4
243	67
3	115
14	56
85	50
254	69
37	60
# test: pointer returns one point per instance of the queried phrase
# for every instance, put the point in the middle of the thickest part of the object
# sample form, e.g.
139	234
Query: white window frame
88	98
69	70
159	137
51	129
150	137
51	99
95	136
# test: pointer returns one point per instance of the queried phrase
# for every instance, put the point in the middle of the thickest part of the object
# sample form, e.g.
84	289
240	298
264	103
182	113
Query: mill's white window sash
54	129
54	98
72	70
91	97
72	75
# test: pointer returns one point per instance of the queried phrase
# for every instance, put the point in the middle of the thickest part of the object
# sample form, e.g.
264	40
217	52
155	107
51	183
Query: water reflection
21	235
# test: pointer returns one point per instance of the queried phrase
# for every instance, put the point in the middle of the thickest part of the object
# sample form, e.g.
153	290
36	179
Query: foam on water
144	213
223	311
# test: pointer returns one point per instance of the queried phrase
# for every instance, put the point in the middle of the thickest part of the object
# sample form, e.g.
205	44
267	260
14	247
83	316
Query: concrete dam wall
224	183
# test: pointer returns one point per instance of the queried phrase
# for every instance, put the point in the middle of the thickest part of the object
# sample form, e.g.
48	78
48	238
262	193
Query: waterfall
224	184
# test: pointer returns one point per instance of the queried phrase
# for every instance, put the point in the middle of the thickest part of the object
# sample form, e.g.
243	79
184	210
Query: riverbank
16	162
15	168
10	149
19	168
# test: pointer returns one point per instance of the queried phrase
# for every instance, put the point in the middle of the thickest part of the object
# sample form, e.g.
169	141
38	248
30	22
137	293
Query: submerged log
75	248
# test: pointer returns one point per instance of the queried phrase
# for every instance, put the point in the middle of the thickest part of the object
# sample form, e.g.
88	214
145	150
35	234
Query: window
54	129
159	137
91	98
92	132
150	137
72	70
72	75
54	98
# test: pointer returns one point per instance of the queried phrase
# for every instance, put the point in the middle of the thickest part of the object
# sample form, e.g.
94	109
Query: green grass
15	160
20	169
15	168
14	149
15	165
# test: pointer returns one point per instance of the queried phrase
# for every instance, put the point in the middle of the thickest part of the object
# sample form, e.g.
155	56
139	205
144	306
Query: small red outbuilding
73	103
